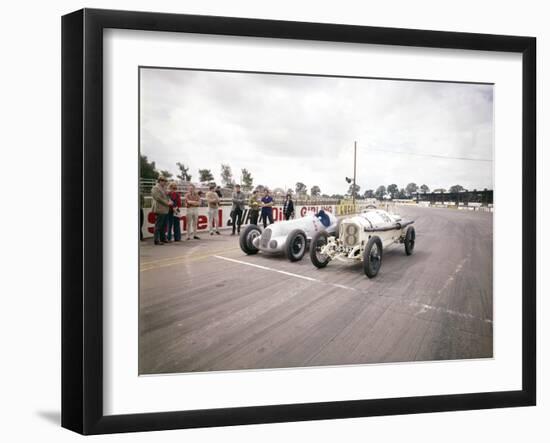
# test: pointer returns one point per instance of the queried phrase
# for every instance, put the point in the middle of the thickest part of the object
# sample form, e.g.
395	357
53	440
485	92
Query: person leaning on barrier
213	200
192	203
237	209
254	205
288	208
161	206
267	208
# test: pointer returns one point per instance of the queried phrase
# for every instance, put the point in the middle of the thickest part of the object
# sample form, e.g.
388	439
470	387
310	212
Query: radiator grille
264	239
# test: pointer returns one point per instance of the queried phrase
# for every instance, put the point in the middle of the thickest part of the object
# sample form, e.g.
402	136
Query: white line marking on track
343	287
424	307
290	274
457	270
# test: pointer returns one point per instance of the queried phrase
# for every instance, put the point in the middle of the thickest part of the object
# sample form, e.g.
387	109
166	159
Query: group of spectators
167	203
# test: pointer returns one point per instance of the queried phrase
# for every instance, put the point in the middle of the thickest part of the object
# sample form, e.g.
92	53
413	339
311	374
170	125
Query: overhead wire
432	155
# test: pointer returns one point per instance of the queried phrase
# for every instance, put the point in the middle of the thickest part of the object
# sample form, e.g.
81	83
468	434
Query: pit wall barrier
224	217
351	209
470	207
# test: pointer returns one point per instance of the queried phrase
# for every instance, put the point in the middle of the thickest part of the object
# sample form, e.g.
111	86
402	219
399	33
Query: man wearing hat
161	207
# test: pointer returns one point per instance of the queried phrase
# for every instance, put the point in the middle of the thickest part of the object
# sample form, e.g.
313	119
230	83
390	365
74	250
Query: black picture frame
82	231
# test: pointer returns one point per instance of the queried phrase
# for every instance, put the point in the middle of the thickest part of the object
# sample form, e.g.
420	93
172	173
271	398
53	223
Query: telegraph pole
354	170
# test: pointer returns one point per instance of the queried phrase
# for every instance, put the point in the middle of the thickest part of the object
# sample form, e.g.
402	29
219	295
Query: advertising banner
224	217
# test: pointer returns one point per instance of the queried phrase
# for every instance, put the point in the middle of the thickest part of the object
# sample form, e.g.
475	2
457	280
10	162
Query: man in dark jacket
237	209
288	208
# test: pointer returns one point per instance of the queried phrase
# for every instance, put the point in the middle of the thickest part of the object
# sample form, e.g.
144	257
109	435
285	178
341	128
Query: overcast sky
286	129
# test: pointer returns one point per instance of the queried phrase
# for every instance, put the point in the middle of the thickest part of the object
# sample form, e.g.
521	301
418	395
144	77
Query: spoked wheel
317	243
410	238
372	257
247	237
296	245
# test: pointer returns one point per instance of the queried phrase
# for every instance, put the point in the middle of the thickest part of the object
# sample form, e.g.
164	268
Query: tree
380	192
456	188
315	191
166	174
369	193
301	188
184	172
147	169
402	194
354	191
247	180
424	189
411	189
227	175
205	175
393	190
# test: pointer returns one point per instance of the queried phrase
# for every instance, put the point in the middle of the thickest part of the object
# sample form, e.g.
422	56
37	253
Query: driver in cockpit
323	218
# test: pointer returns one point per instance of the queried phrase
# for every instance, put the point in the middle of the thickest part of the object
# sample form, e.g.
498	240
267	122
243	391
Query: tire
372	257
296	245
246	237
410	239
318	240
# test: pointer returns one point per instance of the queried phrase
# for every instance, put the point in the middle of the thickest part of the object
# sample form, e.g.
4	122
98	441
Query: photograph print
292	221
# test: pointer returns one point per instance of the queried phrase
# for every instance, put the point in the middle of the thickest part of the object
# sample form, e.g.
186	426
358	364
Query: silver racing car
290	237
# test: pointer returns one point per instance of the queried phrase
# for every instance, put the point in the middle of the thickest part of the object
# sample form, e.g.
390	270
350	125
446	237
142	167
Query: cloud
286	128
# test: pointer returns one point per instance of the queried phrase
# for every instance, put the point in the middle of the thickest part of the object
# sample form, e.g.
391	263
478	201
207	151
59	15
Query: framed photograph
269	221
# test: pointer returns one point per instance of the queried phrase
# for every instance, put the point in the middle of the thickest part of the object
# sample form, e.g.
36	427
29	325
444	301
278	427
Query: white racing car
363	238
290	236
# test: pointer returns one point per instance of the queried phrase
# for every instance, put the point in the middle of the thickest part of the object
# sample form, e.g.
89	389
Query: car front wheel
296	245
317	243
372	257
246	238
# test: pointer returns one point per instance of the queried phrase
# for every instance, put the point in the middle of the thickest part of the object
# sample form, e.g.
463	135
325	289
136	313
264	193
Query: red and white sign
224	217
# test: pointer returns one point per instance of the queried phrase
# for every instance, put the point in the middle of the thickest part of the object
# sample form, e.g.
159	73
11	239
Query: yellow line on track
172	261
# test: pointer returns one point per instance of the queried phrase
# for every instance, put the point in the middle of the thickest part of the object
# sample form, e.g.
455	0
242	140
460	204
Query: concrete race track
206	306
